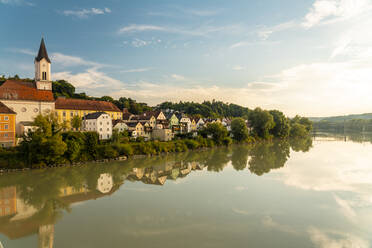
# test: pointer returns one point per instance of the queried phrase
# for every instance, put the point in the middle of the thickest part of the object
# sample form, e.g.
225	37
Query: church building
28	99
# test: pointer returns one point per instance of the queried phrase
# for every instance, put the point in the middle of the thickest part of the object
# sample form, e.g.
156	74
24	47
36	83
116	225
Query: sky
307	57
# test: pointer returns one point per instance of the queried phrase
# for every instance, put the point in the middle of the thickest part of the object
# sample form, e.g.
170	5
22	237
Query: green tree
76	122
217	131
44	145
239	129
262	122
282	126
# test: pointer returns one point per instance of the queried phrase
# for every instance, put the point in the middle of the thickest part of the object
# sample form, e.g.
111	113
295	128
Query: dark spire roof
43	54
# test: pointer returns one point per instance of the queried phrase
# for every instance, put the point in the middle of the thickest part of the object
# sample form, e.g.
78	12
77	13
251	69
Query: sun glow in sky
312	57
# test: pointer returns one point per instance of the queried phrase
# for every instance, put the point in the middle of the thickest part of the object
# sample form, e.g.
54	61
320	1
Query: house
119	125
145	117
136	129
27	126
67	108
226	122
28	99
162	134
185	122
99	122
199	123
193	125
7	126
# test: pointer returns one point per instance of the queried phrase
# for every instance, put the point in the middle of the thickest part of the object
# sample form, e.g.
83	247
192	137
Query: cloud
16	2
24	51
85	13
137	43
331	11
141	28
136	70
178	77
203	30
91	80
239	68
71	61
334	239
264	33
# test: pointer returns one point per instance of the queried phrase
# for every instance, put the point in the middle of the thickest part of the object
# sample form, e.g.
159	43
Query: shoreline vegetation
48	145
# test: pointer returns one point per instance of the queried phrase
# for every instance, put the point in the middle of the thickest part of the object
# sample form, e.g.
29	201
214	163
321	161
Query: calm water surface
310	193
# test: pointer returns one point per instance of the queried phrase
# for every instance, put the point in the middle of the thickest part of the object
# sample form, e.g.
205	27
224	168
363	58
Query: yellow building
7	126
67	108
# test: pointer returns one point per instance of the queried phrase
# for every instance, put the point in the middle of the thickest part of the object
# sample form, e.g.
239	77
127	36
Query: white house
185	121
119	125
99	122
199	123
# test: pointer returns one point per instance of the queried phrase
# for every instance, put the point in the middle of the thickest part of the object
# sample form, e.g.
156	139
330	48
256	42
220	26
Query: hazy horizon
303	57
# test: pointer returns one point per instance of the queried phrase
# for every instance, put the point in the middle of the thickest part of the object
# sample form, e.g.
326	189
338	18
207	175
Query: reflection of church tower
42	69
46	236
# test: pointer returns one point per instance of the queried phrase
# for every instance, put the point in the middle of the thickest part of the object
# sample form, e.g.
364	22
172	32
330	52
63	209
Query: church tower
42	69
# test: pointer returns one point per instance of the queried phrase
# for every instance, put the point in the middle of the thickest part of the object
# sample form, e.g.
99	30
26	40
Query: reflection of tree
267	156
218	159
301	144
239	158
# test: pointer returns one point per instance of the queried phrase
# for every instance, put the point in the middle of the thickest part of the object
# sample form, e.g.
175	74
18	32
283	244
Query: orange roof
27	91
5	110
80	104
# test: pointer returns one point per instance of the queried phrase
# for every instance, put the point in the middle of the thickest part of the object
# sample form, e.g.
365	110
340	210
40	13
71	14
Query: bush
191	144
227	141
124	149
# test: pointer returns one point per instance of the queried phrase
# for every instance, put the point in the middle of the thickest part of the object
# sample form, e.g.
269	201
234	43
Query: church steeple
43	54
42	68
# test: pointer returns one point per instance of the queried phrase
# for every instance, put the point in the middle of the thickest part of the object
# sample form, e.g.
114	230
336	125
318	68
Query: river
305	193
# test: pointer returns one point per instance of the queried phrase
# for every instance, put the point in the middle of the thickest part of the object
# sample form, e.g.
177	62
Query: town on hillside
21	101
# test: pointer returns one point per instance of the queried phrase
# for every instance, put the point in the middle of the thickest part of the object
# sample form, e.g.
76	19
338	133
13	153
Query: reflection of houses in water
21	219
105	183
158	174
8	201
46	236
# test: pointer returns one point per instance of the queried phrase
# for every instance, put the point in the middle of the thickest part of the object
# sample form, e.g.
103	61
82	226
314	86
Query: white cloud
140	28
24	51
346	209
328	239
203	30
178	77
70	61
136	70
331	11
16	2
89	79
264	33
84	13
239	68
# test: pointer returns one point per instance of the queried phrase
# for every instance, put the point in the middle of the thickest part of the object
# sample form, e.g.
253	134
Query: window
23	109
44	75
108	129
6	118
100	129
64	114
100	123
36	110
71	114
6	127
6	135
108	123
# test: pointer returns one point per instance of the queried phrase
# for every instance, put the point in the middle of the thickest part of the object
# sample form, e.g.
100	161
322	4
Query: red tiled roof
5	110
80	104
18	90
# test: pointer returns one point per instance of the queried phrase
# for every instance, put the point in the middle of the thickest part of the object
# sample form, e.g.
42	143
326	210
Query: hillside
366	116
